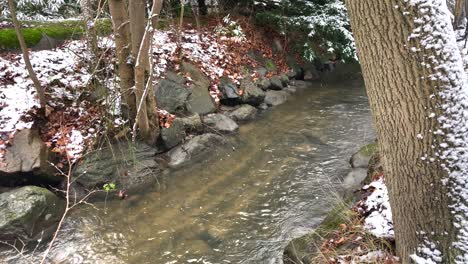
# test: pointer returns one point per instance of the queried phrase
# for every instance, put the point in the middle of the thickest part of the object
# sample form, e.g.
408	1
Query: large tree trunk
120	22
404	81
24	50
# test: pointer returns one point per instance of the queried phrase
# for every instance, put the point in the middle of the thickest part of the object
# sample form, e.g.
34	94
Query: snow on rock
379	221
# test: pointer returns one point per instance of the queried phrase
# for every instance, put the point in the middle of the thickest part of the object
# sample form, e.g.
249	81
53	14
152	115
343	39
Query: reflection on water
243	205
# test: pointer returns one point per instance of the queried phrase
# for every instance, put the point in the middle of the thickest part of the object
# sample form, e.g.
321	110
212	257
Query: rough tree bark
120	22
24	49
405	104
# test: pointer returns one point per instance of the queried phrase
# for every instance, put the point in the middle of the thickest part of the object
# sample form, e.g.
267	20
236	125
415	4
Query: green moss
57	30
270	65
369	150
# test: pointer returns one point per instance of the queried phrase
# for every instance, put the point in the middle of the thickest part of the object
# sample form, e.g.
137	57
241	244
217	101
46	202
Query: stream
274	182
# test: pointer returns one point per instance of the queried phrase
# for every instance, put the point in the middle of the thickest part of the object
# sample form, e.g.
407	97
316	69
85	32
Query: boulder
27	155
290	89
220	123
27	211
251	93
361	158
275	83
130	166
192	123
195	148
264	84
296	73
284	79
263	106
173	135
311	75
172	96
274	98
47	43
301	84
262	71
353	180
244	113
229	92
200	100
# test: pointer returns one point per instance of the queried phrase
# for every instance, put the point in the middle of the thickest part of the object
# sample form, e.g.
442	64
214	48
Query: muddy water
272	183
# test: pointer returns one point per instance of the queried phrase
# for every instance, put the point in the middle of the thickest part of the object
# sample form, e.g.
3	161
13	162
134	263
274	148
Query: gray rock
47	43
291	74
276	97
261	71
290	89
284	79
263	106
275	83
353	179
28	154
310	75
299	84
252	94
172	96
361	158
27	211
200	100
195	148
129	166
296	73
174	135
174	77
264	84
192	123
229	92
244	113
221	123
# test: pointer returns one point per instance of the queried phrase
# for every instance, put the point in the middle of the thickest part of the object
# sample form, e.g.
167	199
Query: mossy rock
361	158
57	30
27	211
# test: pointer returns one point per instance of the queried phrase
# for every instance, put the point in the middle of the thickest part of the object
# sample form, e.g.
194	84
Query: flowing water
274	182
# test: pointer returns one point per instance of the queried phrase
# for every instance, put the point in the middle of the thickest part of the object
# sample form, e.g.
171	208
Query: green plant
108	187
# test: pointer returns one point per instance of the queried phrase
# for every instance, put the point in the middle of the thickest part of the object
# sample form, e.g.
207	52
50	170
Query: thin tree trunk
137	12
91	34
405	104
117	9
24	50
181	21
458	13
146	114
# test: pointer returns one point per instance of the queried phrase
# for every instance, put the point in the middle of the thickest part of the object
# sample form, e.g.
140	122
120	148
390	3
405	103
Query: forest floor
77	115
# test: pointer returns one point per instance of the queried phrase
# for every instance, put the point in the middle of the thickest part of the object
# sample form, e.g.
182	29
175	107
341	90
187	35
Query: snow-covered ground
379	221
65	74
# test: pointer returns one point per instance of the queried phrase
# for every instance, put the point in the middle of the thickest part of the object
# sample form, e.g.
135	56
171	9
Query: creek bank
193	135
344	220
